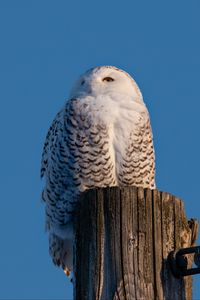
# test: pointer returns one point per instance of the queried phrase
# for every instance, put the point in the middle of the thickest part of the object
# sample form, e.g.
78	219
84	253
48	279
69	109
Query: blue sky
44	46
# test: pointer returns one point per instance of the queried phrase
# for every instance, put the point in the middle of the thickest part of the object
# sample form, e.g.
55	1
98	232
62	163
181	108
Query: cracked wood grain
123	238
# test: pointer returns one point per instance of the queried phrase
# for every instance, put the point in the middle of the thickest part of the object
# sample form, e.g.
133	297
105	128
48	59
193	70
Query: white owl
101	137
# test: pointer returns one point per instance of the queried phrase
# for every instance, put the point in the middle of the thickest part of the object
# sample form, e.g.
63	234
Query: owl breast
109	147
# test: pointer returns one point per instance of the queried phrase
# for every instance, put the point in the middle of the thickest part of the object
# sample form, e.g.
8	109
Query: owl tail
61	251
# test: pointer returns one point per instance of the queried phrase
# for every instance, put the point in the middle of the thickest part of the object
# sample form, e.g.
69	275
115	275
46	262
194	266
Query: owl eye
108	79
82	82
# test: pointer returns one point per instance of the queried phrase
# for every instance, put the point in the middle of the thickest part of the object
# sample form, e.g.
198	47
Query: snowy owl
101	137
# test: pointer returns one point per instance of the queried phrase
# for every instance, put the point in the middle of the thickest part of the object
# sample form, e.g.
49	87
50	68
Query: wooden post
123	238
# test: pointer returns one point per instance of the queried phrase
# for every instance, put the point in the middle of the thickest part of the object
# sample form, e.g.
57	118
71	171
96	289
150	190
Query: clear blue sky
44	46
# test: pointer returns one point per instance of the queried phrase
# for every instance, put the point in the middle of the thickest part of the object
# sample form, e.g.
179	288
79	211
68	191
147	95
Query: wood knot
132	242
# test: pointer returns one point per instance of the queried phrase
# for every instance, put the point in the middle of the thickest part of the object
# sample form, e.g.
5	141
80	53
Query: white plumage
102	137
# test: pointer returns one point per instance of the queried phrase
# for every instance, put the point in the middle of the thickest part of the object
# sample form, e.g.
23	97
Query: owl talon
71	277
70	274
67	271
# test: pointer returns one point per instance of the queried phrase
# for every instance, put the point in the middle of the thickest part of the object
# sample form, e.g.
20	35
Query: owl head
106	80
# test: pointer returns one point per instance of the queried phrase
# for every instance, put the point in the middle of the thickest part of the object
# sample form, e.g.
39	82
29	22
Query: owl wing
138	162
58	191
49	142
147	156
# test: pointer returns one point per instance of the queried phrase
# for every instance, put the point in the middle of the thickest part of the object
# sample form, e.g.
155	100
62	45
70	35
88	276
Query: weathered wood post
123	238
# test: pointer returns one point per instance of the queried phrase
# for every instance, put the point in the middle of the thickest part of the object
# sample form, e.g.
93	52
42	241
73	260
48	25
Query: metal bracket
179	262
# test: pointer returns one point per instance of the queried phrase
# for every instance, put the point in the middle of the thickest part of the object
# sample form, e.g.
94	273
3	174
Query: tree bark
123	238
